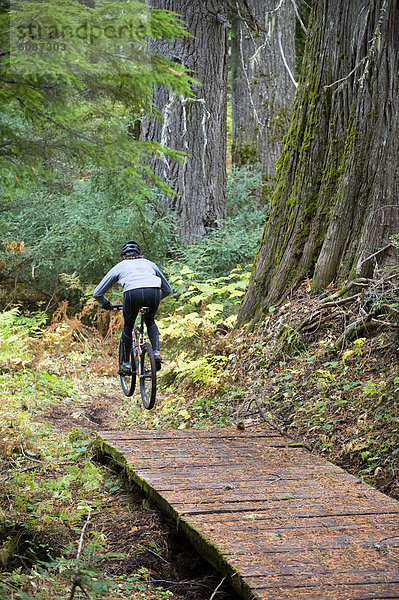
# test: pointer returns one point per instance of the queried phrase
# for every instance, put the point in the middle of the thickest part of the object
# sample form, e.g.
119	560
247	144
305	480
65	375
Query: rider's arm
165	287
107	281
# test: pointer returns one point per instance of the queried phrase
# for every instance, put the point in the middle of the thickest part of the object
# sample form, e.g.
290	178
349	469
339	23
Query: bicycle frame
139	339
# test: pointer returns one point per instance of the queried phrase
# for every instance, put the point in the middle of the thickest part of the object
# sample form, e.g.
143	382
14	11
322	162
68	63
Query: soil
99	413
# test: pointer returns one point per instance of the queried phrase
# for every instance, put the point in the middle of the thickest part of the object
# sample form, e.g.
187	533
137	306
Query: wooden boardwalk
280	523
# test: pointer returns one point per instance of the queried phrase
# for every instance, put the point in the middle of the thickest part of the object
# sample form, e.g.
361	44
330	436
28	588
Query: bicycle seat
144	310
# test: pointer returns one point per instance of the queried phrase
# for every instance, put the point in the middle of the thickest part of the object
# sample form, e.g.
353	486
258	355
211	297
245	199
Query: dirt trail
99	413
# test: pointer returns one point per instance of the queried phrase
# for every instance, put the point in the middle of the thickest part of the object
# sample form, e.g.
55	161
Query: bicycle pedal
125	369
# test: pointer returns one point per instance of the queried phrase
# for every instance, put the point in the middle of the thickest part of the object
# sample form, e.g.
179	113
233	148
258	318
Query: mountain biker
143	284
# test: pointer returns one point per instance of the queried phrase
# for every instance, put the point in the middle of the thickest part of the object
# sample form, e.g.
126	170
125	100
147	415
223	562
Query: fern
14	334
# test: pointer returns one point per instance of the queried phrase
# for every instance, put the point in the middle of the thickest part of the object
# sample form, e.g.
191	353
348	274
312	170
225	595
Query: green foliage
75	177
202	307
64	242
14	331
72	239
344	404
65	110
205	369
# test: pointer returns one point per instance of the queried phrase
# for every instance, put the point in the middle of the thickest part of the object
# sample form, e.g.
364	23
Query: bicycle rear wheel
148	376
128	382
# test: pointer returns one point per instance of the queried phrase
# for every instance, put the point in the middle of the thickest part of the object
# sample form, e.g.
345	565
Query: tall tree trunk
263	87
196	126
335	203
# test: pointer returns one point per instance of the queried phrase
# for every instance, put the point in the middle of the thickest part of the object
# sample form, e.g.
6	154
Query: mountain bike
143	363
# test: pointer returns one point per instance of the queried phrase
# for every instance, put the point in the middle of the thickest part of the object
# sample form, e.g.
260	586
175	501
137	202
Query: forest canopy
109	132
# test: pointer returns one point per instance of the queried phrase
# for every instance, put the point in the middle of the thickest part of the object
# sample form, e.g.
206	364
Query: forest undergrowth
323	370
70	526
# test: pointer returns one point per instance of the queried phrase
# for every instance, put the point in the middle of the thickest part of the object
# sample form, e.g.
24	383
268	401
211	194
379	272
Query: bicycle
143	364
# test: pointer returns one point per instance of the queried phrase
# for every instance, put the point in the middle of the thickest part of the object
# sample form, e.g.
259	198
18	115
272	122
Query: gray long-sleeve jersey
132	274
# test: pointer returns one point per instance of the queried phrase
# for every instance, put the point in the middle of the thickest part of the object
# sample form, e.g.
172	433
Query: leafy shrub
203	305
203	310
70	241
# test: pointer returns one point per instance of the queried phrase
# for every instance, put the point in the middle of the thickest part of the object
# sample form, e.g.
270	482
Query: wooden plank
265	490
322	523
283	502
242	538
231	451
277	469
279	522
341	591
189	434
329	564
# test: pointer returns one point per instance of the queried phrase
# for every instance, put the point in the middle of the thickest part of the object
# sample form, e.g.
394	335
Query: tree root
364	303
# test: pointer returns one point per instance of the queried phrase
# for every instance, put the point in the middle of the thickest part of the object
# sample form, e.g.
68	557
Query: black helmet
130	248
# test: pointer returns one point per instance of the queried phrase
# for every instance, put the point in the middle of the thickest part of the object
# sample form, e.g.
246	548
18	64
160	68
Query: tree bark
263	87
336	199
196	126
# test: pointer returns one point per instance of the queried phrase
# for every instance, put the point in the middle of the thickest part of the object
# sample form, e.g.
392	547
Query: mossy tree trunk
196	126
336	200
263	87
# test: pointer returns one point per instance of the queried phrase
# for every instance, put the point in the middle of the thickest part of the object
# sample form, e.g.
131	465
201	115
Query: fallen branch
309	326
390	245
82	535
154	553
341	301
35	460
360	282
217	588
77	581
10	585
378	322
183	582
308	323
277	428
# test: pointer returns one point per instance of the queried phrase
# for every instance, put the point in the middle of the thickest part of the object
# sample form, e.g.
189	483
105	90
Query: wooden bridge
277	521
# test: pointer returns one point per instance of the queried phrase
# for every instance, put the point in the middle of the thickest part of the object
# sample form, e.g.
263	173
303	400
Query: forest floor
129	549
66	519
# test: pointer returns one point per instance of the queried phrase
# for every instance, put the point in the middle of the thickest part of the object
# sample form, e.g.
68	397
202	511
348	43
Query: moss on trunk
337	177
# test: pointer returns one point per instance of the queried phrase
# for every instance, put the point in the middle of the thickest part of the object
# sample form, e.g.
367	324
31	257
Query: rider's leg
130	312
152	298
153	334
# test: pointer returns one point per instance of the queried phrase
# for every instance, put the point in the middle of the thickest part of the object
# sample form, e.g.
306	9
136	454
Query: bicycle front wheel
128	382
148	376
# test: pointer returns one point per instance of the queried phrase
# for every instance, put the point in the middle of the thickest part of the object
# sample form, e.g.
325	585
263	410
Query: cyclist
143	284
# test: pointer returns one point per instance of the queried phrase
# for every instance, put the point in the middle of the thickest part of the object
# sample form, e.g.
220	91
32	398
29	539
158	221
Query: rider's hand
107	306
